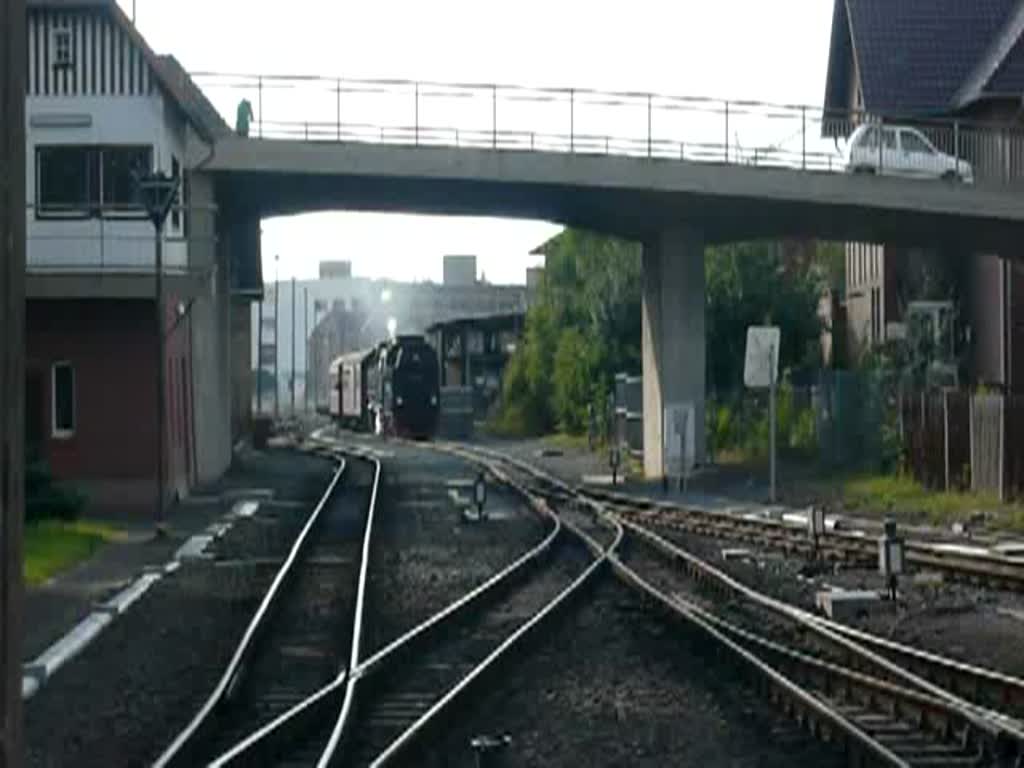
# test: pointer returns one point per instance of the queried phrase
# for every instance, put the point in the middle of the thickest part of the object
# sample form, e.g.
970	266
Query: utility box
629	412
262	426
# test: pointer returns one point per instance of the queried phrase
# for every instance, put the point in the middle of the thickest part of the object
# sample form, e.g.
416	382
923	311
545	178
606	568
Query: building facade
102	109
909	62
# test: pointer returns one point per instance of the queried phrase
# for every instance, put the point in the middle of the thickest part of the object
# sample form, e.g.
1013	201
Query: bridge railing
583	121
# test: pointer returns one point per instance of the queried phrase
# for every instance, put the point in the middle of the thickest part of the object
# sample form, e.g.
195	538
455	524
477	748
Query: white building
102	108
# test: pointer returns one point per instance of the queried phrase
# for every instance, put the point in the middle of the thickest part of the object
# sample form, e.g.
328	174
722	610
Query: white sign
762	363
679	439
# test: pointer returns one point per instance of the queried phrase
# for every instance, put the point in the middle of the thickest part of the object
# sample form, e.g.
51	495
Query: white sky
739	49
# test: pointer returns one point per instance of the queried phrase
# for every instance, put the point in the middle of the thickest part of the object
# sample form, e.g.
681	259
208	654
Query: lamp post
157	191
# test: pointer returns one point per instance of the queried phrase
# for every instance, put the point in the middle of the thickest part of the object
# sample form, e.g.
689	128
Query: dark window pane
121	166
63	398
65	179
914	143
176	210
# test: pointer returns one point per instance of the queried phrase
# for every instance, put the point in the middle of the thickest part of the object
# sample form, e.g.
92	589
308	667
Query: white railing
583	121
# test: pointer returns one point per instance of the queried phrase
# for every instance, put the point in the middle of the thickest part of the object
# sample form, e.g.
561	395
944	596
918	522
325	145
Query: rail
414	733
363	668
957	563
586	121
180	750
997	730
336	697
980	717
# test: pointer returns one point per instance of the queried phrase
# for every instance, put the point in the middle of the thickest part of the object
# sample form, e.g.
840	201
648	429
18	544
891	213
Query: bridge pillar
672	336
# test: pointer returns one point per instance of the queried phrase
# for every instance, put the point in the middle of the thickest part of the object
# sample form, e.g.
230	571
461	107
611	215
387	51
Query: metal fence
584	121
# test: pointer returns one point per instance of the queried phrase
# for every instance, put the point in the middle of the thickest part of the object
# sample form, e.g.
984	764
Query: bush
48	500
741	426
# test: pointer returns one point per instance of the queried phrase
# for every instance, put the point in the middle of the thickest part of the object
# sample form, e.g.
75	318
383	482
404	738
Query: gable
913	56
79	52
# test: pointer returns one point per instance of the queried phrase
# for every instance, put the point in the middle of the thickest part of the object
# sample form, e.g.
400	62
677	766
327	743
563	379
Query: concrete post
672	336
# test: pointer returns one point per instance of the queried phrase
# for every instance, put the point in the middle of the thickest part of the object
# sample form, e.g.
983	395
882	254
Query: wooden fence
957	441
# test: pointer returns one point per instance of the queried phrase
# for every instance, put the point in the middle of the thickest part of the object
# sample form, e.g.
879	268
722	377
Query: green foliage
52	546
740	428
756	284
47	500
902	495
583	328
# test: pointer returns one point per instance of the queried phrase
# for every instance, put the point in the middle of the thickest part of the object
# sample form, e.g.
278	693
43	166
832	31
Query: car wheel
951	176
865	169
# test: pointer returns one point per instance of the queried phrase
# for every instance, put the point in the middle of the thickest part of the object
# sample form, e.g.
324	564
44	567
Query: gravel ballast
128	694
611	684
426	554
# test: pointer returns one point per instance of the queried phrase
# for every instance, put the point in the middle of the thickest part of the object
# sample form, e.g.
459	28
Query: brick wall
110	344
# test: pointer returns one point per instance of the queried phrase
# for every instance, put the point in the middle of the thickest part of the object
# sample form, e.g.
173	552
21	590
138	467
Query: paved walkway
53	608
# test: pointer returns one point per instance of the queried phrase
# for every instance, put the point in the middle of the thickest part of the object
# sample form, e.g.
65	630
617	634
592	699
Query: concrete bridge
646	188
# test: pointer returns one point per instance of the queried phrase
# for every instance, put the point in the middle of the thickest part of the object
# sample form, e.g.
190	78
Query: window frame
57	432
89	205
176	213
94	207
929	149
127	213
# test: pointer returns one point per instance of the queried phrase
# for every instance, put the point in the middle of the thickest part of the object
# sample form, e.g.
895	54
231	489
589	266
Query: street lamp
157	191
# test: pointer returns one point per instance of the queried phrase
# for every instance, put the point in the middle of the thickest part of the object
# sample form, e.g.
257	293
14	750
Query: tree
585	325
752	284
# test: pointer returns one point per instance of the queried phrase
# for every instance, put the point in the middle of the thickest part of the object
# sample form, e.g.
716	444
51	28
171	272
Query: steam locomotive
392	388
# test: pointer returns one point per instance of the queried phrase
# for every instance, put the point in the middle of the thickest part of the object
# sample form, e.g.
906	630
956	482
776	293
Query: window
63	410
61	48
89	181
889	138
176	209
120	168
912	142
67	181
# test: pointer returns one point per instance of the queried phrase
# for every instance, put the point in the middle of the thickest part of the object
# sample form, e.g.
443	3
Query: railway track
381	708
415	677
883	702
844	540
297	640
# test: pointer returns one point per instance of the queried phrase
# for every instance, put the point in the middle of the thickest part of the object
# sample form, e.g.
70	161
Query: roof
191	99
925	57
171	78
498	319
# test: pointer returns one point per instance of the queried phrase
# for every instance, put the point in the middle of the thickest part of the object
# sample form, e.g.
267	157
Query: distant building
473	353
331	309
333	269
459	270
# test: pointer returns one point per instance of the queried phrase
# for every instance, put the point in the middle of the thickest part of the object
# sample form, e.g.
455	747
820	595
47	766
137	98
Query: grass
905	496
53	546
567	442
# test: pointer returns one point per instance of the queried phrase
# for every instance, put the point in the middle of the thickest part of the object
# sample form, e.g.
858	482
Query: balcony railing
581	121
